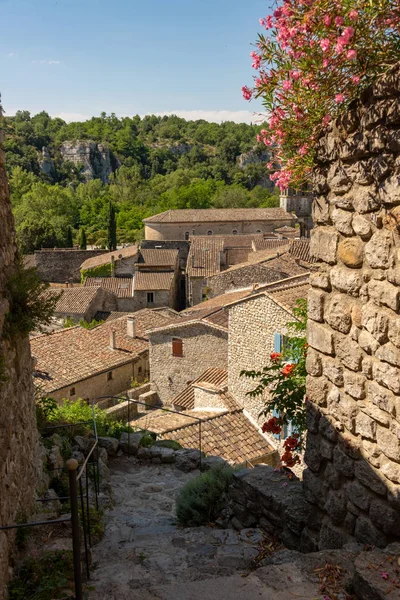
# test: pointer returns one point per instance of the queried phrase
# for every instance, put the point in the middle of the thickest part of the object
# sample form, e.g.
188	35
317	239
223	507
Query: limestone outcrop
46	163
96	159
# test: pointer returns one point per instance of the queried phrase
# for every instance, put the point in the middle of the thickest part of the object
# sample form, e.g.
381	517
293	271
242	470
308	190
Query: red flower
291	442
287	369
272	426
275	356
289	459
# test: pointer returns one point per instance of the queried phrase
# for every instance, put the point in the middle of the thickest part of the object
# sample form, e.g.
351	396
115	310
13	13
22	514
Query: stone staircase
145	555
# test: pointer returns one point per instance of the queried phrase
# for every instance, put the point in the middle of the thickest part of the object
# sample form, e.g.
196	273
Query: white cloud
215	116
46	62
66	116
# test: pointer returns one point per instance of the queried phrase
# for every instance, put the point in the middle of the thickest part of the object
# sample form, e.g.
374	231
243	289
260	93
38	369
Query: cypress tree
112	229
70	242
82	239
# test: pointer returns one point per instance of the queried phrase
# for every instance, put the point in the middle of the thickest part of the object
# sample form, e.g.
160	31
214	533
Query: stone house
79	363
121	287
225	429
181	351
181	224
118	263
257	324
82	302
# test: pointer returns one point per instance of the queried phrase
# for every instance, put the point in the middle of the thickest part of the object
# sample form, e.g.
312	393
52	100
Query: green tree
69	242
112	229
82	239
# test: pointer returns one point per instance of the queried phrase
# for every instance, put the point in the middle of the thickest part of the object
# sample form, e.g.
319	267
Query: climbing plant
315	57
283	383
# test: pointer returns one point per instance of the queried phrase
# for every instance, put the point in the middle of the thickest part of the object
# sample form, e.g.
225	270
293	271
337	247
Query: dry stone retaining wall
18	433
353	384
62	264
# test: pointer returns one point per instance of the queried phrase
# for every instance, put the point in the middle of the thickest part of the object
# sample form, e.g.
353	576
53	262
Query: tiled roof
269	244
105	259
73	300
153	280
231	436
285	263
122	287
70	355
240	240
211	317
159	258
219	301
286	229
110	315
161	421
204	257
287	297
210	215
301	249
185	399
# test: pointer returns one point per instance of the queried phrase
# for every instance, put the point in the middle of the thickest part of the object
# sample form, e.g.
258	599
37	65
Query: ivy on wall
100	271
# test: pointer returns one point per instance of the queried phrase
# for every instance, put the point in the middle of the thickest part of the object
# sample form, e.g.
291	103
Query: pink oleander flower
355	79
326	119
295	75
351	54
327	20
353	15
339	21
325	44
247	93
303	150
348	33
384	575
339	98
287	85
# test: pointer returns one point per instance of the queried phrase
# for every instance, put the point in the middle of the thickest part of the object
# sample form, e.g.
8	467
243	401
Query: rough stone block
366	533
391	470
389	190
348	352
354	384
362	226
315	305
314	489
385	518
375	413
320	337
338	313
359	495
394	331
333	370
366	200
387	376
320	210
368	342
331	537
317	390
335	506
343	463
320	279
342	221
365	426
380	396
389	353
351	252
312	455
389	443
383	292
313	363
343	408
376	321
369	477
377	250
327	429
346	280
324	241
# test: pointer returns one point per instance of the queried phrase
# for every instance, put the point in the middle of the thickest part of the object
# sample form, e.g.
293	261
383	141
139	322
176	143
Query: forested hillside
154	164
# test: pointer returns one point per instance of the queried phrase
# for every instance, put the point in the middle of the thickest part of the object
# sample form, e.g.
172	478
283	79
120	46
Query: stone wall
252	324
62	264
18	433
241	278
177	231
161	298
203	347
353	386
100	385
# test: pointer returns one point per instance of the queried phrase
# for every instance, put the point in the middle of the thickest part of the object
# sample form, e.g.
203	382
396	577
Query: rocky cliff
18	432
96	159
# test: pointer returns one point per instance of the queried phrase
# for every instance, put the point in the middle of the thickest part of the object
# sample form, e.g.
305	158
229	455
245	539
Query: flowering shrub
316	56
283	384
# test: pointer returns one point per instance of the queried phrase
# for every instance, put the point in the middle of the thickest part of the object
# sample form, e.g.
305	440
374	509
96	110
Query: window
209	232
234	232
177	347
72	391
187	235
150	297
109	375
139	369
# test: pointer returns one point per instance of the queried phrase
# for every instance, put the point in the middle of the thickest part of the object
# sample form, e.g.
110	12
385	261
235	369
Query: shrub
44	578
68	322
90	324
78	411
201	499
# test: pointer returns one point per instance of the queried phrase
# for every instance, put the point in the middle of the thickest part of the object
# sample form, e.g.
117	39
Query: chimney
131	327
112	339
67	284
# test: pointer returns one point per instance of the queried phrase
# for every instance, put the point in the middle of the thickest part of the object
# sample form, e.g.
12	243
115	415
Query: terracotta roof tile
268	244
70	355
105	259
301	249
185	398
153	280
288	296
204	257
122	287
159	258
210	317
211	215
219	301
73	300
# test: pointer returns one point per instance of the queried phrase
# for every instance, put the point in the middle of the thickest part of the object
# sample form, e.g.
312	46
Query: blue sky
76	58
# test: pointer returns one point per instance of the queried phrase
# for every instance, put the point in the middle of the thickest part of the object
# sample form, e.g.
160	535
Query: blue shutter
277	348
